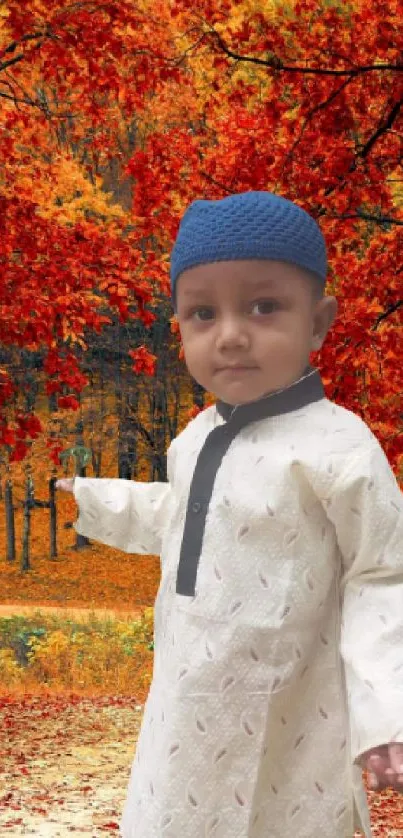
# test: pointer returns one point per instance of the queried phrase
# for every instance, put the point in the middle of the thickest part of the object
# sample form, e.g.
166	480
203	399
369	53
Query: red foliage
310	113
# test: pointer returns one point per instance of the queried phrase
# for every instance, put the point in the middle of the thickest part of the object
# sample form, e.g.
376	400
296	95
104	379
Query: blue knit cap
249	225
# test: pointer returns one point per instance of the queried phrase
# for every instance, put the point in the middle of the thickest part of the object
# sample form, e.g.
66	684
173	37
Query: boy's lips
236	368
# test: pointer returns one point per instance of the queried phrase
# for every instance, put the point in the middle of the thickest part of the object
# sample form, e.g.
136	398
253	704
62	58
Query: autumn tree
304	99
65	75
299	98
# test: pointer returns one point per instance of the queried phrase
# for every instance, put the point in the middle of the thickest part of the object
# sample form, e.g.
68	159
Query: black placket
305	391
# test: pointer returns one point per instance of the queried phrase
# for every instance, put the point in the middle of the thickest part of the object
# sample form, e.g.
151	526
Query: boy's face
260	314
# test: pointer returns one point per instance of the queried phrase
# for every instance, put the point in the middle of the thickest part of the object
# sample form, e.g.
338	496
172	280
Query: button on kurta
216	444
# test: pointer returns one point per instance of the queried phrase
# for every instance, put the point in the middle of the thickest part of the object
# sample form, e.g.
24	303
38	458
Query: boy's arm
366	508
129	515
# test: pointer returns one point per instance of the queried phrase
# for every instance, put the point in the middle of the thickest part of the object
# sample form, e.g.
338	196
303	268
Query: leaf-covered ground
64	764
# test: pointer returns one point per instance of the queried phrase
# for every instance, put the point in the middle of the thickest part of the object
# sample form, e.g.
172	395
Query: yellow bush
112	657
52	657
10	671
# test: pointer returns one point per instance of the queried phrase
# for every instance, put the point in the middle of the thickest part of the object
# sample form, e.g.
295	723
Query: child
278	665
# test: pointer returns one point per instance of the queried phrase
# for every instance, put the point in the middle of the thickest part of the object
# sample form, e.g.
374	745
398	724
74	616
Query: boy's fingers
65	483
396	757
385	767
377	763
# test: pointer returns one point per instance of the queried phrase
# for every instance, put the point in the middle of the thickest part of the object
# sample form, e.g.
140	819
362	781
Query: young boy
278	666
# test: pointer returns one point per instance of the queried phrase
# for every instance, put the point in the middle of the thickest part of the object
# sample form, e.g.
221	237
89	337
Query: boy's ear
324	316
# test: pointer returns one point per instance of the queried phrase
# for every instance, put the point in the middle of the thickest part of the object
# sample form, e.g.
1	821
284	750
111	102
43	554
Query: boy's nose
231	329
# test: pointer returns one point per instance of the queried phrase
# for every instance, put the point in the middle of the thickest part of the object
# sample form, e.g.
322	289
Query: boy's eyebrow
255	284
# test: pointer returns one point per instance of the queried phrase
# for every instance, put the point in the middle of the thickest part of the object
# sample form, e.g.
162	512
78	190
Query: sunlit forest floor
65	764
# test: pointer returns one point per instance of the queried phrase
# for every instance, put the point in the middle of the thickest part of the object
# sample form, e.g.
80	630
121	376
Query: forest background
114	116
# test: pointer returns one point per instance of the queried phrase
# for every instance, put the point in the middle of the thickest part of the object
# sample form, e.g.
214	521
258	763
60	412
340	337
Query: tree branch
387	313
382	128
14	44
365	217
42	36
277	64
216	183
16	100
394	307
311	113
36	104
145	433
12	61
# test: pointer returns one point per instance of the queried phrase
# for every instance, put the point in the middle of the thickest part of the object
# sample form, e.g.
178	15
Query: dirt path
65	766
17	609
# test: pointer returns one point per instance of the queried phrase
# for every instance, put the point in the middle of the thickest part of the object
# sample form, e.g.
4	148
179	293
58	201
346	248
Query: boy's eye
268	305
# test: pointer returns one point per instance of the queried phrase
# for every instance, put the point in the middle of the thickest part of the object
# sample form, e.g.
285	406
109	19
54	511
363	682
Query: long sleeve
129	515
366	508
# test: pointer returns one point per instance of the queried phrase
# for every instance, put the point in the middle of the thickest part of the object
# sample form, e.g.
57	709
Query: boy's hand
385	766
65	483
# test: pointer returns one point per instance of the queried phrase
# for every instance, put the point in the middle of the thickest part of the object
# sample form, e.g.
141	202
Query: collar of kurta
308	389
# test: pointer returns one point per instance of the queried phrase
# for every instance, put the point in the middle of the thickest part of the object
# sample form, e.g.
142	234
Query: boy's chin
236	388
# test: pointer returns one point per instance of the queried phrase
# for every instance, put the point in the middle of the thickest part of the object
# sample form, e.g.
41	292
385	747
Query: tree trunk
10	525
81	540
52	518
26	529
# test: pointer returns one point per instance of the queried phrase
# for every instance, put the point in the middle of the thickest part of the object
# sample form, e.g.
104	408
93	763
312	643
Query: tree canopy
197	100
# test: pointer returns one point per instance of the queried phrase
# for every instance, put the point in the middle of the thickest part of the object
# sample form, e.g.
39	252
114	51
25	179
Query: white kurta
288	662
